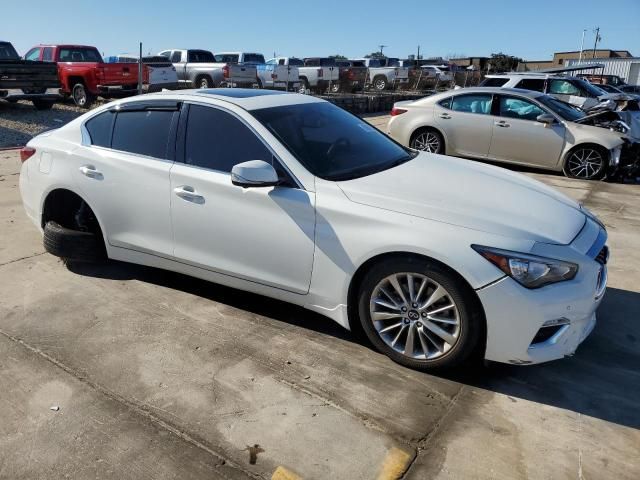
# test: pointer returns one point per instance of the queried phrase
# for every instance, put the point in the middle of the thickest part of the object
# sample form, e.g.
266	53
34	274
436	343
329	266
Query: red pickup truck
84	75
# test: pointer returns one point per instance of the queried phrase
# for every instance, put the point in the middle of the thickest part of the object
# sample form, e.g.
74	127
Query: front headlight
530	271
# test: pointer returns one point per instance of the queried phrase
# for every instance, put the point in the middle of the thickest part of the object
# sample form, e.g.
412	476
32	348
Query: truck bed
28	75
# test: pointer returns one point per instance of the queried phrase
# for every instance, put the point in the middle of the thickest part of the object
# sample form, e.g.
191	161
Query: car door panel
265	235
525	141
467	133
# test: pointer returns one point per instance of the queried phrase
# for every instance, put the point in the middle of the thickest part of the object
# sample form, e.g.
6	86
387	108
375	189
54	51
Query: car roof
498	90
246	98
536	75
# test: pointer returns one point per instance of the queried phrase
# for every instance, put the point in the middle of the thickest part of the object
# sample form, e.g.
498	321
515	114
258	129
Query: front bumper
516	316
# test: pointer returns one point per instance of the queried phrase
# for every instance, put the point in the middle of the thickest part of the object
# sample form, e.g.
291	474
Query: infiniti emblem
413	315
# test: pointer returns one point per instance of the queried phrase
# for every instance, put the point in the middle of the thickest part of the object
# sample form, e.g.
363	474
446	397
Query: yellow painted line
282	473
395	464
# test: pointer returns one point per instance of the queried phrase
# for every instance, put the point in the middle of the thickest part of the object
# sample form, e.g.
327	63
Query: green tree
337	56
501	62
375	55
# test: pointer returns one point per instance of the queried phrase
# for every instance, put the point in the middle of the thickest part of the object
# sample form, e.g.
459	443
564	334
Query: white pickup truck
274	73
385	73
317	73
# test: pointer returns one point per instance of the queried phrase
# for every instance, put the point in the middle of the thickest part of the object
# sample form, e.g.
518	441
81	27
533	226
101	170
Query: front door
264	235
519	138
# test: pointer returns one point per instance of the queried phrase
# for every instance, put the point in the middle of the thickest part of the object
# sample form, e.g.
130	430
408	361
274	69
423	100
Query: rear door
263	235
466	123
519	138
122	169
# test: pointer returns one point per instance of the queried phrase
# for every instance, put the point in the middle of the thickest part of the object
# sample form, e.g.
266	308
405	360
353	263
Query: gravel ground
19	122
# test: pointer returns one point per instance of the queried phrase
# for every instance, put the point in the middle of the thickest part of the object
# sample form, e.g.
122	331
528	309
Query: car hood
471	195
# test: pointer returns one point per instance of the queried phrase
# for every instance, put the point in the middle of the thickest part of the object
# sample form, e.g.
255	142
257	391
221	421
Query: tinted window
200	56
328	62
480	103
565	110
227	58
330	142
253	58
217	140
33	54
519	108
536	84
86	55
494	82
145	133
99	128
296	62
47	54
7	52
446	103
176	57
313	62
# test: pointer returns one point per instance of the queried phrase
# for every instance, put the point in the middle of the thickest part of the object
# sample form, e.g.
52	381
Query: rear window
296	62
535	84
227	58
200	56
99	128
493	82
328	62
7	52
253	58
87	55
144	133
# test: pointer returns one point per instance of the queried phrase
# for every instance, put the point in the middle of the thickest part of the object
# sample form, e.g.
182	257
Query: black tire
380	83
427	145
11	100
470	317
204	82
334	88
260	83
81	96
73	244
42	104
572	168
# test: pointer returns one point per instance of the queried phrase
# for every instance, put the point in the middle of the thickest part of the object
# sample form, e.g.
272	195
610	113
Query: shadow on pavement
601	380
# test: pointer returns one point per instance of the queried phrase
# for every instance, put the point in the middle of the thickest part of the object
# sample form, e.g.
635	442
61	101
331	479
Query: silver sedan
512	126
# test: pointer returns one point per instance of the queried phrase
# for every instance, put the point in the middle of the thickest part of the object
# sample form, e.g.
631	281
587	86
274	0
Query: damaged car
520	127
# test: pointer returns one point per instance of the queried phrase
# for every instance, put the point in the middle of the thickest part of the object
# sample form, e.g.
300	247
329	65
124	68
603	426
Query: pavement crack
22	258
137	407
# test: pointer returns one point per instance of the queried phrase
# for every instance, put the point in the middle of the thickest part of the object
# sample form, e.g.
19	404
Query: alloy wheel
380	84
585	163
79	95
427	141
415	316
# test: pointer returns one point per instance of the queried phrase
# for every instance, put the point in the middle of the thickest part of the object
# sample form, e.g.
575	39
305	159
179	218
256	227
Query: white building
626	68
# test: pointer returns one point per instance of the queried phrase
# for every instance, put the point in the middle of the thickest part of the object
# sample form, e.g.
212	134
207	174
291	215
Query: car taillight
225	71
397	111
26	153
351	75
319	72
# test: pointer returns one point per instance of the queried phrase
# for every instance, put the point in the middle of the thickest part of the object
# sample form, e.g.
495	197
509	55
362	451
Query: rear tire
204	82
380	83
427	140
304	86
461	324
73	244
81	96
586	162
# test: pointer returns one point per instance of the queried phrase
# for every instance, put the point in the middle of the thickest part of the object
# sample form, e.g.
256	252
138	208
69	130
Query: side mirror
254	173
546	118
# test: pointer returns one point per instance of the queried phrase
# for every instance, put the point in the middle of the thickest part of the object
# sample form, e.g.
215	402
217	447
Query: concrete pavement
158	375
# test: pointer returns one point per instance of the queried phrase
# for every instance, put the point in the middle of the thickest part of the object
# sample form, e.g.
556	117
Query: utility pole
382	47
595	43
584	30
418	57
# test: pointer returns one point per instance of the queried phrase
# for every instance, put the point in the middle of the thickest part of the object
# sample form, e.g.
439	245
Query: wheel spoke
385	304
420	290
410	286
450	321
390	327
436	295
432	340
423	343
378	316
395	340
408	346
444	335
393	280
441	309
390	297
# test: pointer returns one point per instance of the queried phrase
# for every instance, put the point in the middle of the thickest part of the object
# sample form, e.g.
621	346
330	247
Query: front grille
603	255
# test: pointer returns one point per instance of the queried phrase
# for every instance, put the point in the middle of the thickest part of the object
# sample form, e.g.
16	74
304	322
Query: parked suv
574	90
84	75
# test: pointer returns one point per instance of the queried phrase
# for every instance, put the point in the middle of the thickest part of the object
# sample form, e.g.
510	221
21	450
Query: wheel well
74	80
204	75
70	211
358	276
432	129
604	150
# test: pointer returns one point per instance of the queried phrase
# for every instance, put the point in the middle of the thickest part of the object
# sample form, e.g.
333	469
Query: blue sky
349	27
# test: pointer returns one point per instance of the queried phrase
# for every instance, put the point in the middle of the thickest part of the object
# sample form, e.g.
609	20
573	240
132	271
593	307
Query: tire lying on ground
73	244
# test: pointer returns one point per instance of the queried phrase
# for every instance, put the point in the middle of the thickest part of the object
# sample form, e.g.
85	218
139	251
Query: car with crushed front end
520	127
285	195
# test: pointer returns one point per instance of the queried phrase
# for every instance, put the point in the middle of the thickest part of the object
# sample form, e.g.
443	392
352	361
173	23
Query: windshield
253	58
330	142
565	110
7	52
591	89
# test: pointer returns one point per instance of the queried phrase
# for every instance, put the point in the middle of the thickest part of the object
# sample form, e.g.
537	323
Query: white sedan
291	197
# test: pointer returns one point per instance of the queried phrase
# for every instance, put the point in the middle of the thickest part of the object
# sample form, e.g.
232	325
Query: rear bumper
18	94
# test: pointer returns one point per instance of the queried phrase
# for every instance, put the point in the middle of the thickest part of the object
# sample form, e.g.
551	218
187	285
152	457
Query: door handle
501	123
91	172
446	116
189	194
